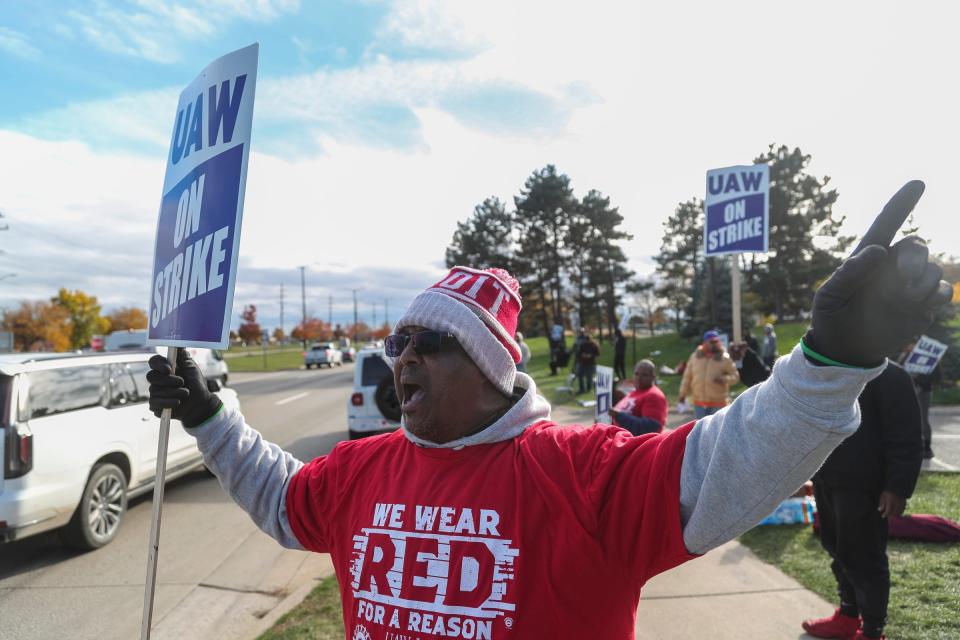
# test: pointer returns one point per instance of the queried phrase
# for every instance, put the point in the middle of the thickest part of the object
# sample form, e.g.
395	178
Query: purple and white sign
737	210
198	232
926	353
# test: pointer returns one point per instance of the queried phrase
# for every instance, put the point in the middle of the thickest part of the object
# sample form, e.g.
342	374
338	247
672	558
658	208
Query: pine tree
680	256
485	239
800	208
544	211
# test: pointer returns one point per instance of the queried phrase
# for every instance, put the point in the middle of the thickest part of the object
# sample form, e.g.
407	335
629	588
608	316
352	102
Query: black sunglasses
424	342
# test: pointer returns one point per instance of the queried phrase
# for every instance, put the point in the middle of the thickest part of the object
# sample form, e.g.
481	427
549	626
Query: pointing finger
885	227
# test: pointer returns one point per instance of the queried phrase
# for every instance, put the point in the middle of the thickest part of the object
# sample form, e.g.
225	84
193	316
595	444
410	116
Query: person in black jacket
620	356
867	479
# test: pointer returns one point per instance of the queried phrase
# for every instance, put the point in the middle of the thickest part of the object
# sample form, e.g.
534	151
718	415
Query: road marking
292	398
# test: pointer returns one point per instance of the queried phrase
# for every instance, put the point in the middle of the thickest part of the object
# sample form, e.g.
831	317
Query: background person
587	353
524	353
620	355
478	456
923	384
867	479
708	376
768	349
643	410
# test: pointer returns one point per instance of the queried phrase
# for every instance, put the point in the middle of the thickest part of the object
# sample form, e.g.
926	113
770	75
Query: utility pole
355	311
373	306
386	312
330	311
303	302
283	335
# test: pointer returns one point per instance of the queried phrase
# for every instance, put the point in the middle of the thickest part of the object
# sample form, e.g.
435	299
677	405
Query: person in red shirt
643	410
483	519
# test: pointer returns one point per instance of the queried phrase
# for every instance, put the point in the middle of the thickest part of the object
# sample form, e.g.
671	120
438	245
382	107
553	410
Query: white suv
373	407
77	439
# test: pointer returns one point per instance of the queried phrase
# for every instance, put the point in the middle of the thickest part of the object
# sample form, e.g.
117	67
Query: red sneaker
836	626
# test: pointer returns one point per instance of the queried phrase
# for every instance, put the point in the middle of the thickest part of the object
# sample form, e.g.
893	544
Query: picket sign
737	220
604	388
198	236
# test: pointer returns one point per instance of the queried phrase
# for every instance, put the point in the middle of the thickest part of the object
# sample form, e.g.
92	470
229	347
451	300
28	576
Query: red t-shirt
645	403
547	535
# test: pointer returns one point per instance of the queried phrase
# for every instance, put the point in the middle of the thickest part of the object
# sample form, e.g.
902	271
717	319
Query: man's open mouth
413	395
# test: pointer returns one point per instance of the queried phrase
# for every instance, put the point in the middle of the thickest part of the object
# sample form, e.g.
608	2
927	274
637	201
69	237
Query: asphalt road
216	570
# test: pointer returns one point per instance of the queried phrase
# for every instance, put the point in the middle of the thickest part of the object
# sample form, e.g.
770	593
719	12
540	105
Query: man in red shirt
483	519
643	410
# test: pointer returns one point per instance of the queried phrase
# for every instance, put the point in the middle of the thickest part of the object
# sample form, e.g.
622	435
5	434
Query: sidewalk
728	594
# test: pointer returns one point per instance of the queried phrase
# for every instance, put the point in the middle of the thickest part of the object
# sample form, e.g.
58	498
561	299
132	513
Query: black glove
185	393
881	296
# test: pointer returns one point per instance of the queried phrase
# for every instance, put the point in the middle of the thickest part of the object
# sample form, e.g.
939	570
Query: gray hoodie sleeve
254	472
741	462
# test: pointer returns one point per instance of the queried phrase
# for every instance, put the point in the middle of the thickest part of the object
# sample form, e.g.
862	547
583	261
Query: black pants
619	367
855	536
924	398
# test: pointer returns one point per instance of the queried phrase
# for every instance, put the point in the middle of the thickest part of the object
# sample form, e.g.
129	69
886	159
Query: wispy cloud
155	29
16	43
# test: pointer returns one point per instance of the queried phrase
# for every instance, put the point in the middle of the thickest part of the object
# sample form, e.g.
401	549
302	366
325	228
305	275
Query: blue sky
381	123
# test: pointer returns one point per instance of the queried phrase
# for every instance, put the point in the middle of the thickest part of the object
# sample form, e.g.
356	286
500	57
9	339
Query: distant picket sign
604	388
925	356
737	210
198	231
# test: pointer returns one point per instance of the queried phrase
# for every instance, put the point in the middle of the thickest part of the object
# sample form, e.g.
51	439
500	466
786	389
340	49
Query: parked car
349	354
324	353
211	362
78	440
373	406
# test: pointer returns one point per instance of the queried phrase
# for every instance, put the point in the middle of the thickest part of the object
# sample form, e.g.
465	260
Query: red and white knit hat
481	309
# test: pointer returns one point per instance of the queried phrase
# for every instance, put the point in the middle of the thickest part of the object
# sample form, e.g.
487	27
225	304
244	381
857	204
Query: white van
77	439
210	361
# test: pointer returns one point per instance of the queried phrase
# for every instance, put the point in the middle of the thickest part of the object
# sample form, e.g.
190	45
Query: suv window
374	370
128	383
60	390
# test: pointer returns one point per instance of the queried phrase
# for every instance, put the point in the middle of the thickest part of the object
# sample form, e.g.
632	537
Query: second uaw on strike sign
737	210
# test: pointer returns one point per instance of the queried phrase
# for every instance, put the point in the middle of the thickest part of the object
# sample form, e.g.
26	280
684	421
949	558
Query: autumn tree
382	332
126	318
249	329
279	335
38	326
313	330
84	313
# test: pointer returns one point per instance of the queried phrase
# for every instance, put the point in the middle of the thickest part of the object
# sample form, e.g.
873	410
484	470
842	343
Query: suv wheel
385	397
101	509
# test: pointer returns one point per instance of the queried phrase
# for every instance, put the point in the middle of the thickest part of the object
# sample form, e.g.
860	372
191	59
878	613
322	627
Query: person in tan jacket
708	376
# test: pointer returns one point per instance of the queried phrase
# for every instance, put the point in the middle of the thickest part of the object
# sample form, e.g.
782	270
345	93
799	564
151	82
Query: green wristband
810	353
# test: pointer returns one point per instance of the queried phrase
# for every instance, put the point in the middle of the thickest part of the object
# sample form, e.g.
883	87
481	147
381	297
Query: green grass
318	617
666	349
925	578
251	359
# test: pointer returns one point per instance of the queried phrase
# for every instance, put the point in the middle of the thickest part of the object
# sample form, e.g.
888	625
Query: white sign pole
159	482
735	288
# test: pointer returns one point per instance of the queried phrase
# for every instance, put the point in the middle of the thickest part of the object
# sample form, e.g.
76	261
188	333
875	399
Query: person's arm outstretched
741	462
